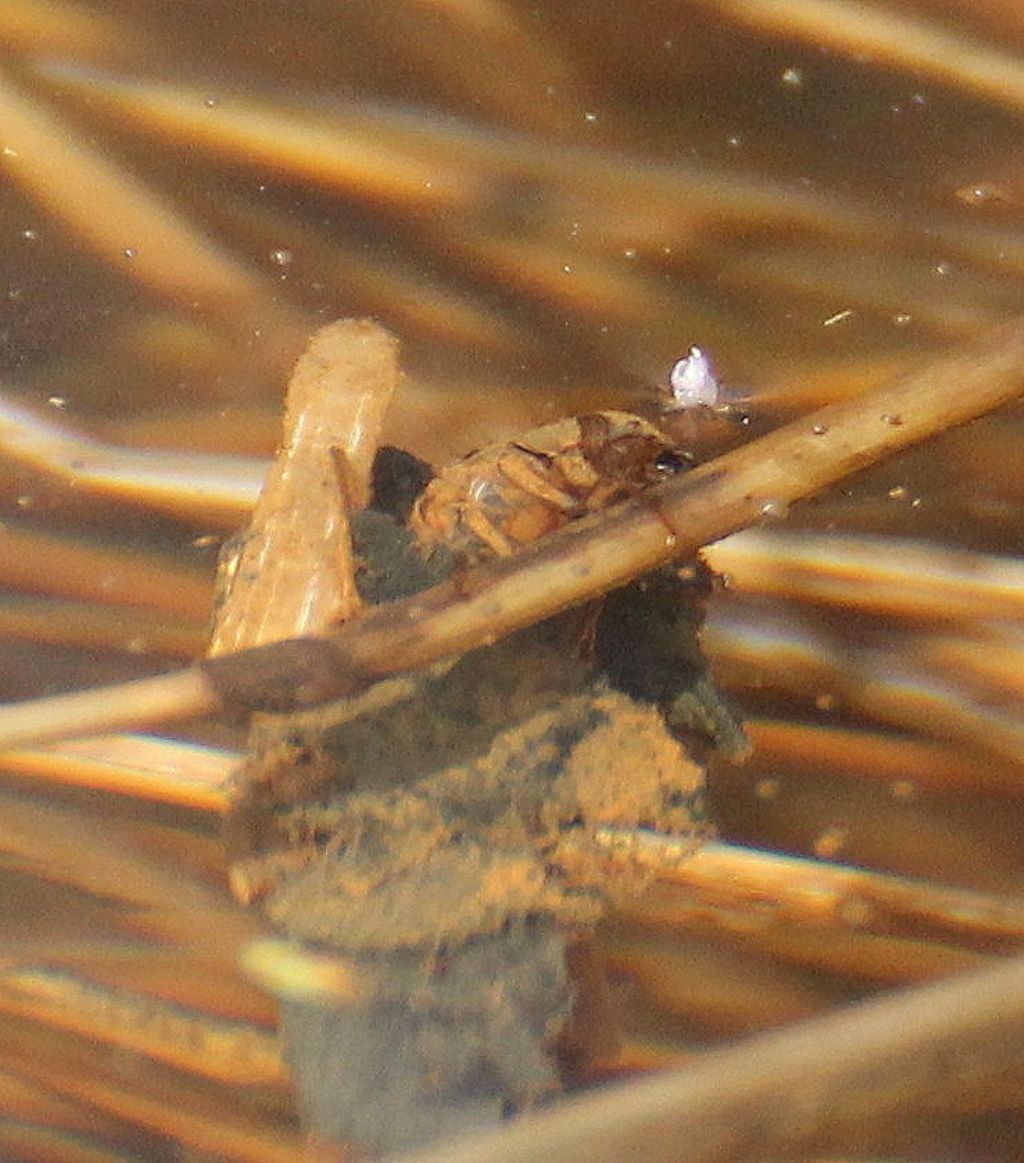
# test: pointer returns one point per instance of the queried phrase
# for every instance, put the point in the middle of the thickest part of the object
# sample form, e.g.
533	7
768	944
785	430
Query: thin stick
54	29
739	885
91	626
402	158
62	566
210	1124
216	490
899	763
115	216
908	579
231	1052
922	47
914	689
166	698
147	769
784	1094
756	482
362	154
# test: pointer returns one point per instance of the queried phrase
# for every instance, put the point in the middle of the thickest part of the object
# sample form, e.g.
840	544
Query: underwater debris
415	831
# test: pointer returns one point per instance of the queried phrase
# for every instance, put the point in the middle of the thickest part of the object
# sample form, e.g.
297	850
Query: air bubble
856	912
830	843
281	258
819	429
773	510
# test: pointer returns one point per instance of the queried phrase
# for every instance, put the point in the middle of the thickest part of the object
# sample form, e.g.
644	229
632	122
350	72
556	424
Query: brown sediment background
548	209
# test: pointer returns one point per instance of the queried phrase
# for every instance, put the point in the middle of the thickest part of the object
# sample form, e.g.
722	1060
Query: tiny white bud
693	381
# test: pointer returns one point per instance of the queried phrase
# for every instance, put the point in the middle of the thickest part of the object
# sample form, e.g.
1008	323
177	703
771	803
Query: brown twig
32	560
228	1051
116	217
918	45
913	580
778	1095
749	890
216	490
925	689
756	482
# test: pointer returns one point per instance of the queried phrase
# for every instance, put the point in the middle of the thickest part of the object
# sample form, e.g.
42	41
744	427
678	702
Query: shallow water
547	209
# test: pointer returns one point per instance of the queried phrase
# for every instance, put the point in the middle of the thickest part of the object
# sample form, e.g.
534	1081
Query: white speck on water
693	381
773	510
838	317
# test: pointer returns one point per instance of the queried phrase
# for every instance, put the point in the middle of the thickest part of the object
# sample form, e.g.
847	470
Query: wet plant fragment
416	830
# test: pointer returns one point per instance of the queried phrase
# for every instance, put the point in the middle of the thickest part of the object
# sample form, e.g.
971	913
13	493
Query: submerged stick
115	216
867	31
747	890
753	483
801	1091
212	489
